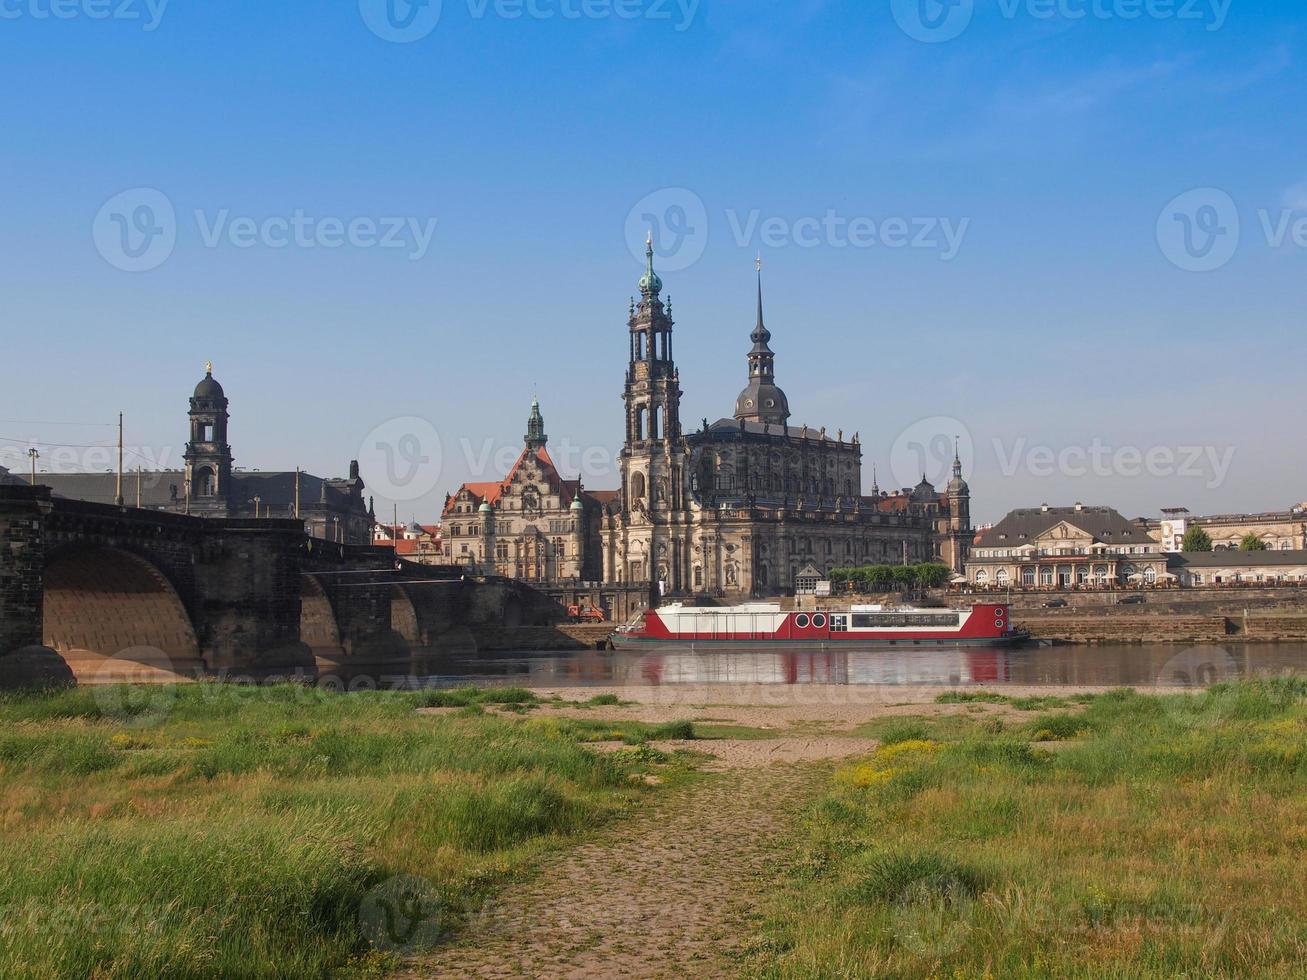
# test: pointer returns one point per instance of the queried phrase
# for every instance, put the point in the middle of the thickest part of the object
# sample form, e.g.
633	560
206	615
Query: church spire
650	284
535	427
762	401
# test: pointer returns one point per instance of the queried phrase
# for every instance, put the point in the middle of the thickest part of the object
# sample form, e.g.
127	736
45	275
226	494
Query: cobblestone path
672	891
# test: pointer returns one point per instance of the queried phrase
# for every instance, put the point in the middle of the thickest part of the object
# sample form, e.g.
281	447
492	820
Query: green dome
485	509
577	505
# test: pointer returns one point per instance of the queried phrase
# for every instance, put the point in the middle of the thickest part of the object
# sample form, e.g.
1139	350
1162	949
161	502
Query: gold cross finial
208	367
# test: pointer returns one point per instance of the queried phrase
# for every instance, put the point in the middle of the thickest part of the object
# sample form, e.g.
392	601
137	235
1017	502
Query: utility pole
394	528
138	488
34	455
118	491
297	493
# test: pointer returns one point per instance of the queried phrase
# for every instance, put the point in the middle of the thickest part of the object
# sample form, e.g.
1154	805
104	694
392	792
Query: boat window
801	621
883	620
839	624
819	621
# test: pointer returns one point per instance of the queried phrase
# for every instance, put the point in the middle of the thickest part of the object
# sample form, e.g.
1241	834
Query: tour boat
758	623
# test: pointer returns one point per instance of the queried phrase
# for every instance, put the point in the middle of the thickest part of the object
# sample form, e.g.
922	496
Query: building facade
1284	530
1066	547
740	506
210	485
532	525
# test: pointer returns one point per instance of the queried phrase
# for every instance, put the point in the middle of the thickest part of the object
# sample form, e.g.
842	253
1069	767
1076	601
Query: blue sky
1060	323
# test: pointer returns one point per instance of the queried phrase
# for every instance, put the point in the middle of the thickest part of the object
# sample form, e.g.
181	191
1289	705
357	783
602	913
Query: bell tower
653	395
208	454
654	457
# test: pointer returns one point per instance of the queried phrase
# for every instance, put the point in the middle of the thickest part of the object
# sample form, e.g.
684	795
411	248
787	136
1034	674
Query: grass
204	830
1164	838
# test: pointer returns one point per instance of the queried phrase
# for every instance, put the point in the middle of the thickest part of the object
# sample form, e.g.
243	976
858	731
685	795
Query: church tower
535	427
762	400
959	506
653	457
208	455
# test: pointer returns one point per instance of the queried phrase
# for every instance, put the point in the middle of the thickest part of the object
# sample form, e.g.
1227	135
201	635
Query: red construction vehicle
585	614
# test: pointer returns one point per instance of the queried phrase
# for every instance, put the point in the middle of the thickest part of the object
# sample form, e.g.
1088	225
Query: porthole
819	621
801	621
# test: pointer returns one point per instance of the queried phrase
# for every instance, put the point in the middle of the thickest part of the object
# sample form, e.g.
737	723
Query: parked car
1133	600
1056	604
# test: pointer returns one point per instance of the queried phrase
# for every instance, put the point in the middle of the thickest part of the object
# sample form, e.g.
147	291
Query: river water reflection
1162	665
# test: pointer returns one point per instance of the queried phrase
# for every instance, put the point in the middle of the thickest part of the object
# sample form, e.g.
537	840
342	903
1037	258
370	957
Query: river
1147	665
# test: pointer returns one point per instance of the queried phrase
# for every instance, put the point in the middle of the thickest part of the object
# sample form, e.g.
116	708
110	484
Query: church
211	486
740	506
736	508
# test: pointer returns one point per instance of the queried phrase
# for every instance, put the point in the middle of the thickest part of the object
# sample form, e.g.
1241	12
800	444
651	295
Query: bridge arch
318	626
102	602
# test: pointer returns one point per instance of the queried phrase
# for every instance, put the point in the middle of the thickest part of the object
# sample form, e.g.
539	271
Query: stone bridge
92	589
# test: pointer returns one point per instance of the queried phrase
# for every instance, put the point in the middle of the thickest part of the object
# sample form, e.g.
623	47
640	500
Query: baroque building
209	484
740	506
531	525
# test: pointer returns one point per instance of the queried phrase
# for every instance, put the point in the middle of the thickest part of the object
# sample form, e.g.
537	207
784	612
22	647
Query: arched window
205	482
1028	578
654	420
637	485
982	577
1001	578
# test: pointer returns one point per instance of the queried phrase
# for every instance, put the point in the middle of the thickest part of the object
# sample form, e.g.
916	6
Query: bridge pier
247	610
24	661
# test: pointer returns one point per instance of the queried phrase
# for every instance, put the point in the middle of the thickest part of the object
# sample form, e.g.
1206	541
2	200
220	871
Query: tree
1252	542
1196	539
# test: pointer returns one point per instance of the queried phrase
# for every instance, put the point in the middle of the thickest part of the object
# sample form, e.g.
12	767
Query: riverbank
709	830
214	830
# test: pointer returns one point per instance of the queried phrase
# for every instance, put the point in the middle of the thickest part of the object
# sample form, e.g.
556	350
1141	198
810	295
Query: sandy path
670	892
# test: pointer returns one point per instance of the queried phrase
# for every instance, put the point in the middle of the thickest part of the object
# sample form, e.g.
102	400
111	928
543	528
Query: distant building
742	506
1065	547
1284	530
1225	567
210	485
421	543
532	525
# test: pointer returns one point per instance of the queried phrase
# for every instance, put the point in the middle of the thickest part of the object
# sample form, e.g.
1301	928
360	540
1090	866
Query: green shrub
898	875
